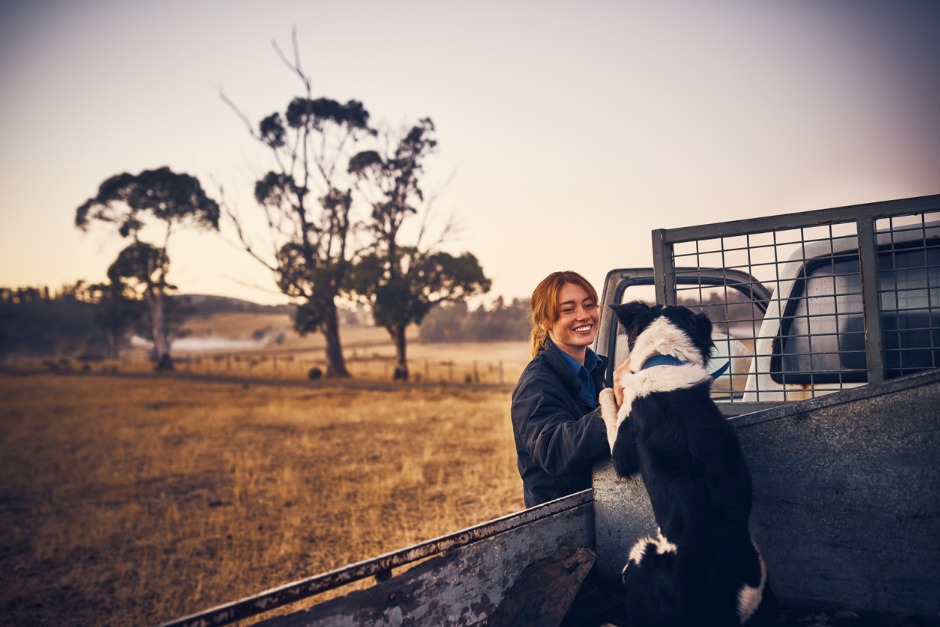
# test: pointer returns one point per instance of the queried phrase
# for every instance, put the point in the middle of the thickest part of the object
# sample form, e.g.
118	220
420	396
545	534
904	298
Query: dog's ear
703	326
703	329
627	313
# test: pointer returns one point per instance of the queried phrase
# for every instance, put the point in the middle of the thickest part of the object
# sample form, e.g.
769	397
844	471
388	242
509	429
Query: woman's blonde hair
544	304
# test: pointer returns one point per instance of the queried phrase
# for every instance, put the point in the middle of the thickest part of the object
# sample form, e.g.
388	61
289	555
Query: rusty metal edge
383	564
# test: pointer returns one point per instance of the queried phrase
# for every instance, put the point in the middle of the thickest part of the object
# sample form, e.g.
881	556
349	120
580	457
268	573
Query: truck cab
812	339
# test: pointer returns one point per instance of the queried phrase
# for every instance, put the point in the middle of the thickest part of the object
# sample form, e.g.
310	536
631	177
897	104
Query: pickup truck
827	328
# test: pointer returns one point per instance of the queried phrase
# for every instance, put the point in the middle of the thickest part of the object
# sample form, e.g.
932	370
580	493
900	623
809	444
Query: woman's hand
622	369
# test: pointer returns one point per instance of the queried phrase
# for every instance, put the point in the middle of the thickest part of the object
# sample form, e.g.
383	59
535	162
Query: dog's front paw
608	403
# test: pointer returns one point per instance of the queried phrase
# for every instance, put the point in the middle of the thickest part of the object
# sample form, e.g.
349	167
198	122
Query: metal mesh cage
803	304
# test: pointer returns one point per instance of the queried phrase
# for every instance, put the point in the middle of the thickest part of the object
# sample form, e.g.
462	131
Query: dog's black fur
700	489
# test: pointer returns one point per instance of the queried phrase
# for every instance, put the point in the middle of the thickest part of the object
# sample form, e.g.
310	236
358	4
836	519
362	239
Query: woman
557	425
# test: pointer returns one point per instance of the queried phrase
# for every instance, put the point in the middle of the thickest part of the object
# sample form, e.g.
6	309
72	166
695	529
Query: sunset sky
567	131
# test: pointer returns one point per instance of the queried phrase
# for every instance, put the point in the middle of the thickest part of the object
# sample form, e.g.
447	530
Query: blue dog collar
669	360
662	360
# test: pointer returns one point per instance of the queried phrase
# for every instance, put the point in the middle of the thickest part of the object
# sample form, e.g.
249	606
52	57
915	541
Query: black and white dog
703	568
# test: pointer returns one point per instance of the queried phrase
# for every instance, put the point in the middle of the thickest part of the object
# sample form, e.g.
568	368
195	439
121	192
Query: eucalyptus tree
158	201
307	205
403	280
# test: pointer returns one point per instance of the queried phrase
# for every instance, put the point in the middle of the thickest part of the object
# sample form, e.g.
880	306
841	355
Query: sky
567	131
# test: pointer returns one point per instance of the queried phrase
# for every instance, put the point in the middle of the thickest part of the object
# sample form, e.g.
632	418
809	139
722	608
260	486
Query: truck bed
846	513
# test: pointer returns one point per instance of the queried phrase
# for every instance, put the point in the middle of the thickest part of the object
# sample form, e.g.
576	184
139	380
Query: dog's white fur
660	338
749	598
639	547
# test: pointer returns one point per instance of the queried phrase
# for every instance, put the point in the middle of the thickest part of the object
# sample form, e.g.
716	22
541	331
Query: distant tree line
88	321
502	321
455	322
83	321
37	322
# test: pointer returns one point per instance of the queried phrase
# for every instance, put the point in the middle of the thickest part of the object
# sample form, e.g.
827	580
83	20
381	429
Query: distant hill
207	305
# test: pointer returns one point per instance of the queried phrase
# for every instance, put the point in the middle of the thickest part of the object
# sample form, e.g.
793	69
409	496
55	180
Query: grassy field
134	500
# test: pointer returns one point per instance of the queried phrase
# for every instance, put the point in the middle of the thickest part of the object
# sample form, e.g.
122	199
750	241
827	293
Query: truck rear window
822	333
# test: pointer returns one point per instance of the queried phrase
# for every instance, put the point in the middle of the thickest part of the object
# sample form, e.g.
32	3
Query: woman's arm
554	437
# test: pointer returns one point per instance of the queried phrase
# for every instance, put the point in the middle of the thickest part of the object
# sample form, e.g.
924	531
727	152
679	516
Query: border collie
703	568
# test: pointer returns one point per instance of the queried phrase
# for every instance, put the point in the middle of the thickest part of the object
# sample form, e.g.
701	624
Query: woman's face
576	326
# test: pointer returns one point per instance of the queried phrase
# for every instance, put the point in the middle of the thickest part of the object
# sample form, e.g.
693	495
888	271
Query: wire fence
478	364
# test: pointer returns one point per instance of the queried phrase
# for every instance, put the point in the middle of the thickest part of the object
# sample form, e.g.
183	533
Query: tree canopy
125	200
321	246
308	207
130	202
402	282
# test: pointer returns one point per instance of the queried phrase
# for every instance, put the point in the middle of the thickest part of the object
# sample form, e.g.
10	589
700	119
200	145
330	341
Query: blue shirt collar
590	360
588	391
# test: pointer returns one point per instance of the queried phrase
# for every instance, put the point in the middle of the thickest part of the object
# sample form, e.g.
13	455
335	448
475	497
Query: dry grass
133	501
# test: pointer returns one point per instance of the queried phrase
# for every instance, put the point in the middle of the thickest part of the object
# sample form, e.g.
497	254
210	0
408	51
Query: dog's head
671	330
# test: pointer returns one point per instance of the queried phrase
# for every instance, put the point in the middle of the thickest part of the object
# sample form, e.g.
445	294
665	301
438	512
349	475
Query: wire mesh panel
803	304
909	291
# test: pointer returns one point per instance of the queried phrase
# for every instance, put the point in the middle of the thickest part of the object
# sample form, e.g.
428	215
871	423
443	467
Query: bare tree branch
295	65
238	112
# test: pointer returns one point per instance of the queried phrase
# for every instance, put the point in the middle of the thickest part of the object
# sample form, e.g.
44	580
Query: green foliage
396	178
126	199
445	324
139	267
315	113
422	281
93	320
276	190
309	317
118	312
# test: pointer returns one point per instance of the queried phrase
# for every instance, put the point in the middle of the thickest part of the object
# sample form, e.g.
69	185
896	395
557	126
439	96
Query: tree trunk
161	339
114	344
335	362
401	360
